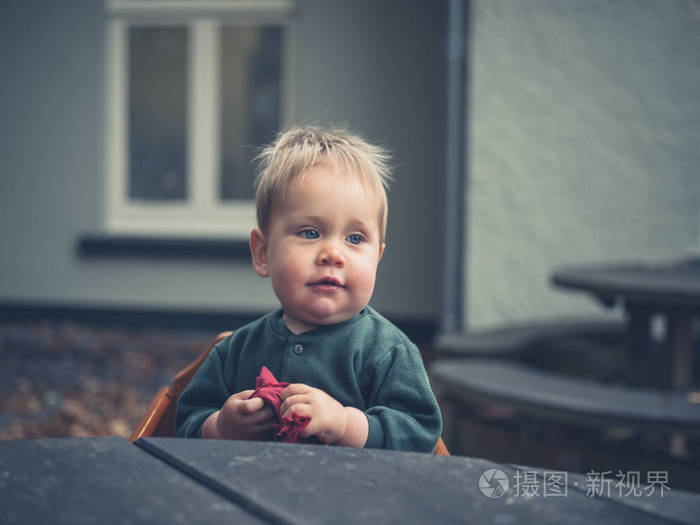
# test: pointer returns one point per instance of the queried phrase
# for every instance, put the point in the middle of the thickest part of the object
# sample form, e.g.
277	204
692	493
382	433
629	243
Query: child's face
322	248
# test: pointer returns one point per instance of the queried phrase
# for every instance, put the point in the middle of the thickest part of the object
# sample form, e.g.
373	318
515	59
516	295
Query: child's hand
329	419
240	418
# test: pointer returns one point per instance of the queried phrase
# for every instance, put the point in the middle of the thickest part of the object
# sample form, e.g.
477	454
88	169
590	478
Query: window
192	89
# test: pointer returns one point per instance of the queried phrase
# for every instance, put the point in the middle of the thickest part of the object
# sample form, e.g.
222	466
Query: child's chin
326	318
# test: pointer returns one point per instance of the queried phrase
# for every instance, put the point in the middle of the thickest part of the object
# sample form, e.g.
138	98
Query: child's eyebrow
361	225
307	218
358	224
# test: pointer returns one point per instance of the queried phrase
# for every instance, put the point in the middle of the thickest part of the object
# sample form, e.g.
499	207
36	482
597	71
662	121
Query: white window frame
203	213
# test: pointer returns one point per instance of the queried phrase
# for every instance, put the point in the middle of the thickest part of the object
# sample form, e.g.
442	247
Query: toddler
357	379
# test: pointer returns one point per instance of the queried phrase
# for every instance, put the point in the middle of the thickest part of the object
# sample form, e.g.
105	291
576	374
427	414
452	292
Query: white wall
583	145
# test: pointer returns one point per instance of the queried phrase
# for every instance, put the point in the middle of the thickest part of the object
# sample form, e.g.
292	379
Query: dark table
671	290
163	480
101	480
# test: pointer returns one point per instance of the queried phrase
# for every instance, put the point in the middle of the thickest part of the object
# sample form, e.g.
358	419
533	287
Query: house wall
376	66
583	146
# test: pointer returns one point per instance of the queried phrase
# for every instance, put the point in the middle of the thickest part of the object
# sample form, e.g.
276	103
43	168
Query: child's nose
331	255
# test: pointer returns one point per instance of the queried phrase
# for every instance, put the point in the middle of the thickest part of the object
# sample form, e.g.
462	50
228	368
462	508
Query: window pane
157	113
250	102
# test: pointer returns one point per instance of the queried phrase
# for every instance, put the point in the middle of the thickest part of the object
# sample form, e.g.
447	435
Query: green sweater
364	362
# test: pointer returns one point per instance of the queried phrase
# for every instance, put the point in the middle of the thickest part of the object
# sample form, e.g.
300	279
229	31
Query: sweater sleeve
206	393
403	413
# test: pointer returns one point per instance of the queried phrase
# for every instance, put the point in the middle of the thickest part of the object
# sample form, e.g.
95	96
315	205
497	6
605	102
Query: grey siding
376	66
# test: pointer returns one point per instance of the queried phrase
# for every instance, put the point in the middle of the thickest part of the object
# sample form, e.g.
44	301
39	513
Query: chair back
159	420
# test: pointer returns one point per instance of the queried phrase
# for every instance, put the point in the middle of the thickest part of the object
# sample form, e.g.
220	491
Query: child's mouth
329	283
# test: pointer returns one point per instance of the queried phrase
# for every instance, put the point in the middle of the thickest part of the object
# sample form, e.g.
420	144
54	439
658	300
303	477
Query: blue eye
355	238
309	234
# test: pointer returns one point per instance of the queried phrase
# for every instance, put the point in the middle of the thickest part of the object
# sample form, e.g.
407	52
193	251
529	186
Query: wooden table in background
671	290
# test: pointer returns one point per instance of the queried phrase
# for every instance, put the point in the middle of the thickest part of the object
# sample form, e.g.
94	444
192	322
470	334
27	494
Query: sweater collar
278	326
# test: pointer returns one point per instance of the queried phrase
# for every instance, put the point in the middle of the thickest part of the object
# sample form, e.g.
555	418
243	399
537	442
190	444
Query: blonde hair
299	149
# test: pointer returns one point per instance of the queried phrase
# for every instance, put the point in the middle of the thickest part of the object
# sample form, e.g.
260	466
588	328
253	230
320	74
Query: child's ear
381	251
258	252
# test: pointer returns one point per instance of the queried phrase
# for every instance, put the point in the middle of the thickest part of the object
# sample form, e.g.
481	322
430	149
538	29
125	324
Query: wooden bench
541	394
514	340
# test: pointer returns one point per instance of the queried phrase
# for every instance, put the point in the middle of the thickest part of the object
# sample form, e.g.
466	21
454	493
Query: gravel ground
61	379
